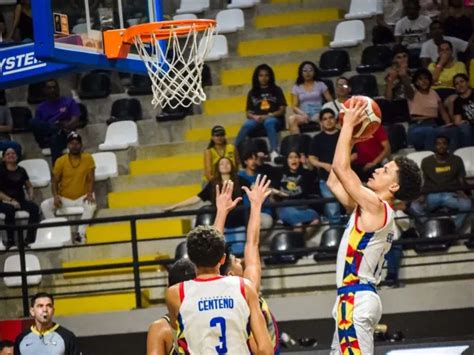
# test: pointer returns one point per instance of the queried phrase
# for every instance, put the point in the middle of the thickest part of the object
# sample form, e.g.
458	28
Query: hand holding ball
372	121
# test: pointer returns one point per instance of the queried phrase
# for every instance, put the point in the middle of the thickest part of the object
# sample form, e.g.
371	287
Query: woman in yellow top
446	67
218	148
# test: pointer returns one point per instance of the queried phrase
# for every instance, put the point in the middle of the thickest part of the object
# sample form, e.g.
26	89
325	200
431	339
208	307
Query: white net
175	66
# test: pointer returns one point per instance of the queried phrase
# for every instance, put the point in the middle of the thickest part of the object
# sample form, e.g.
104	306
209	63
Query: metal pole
136	268
24	280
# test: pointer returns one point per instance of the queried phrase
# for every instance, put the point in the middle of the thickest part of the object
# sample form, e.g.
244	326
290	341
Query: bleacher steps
129	182
302	17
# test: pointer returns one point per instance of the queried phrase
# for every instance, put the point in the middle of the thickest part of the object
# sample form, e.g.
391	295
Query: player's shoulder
65	333
160	327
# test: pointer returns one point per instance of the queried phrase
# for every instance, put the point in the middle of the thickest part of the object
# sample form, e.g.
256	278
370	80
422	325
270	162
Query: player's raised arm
362	196
257	195
257	323
224	204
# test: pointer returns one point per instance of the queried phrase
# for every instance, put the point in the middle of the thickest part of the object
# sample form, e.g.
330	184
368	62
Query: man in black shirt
45	336
321	153
464	108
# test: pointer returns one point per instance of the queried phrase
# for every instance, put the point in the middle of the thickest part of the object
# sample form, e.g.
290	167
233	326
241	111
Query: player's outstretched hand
355	114
224	200
259	192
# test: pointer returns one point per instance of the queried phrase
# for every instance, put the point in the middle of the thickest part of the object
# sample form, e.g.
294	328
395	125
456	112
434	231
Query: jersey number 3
220	321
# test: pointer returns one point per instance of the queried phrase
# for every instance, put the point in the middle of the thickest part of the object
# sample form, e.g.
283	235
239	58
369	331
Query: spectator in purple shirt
54	119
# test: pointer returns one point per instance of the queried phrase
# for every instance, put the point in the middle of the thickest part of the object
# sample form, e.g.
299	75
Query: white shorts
356	316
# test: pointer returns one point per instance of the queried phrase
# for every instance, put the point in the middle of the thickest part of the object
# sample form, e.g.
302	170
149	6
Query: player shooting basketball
367	237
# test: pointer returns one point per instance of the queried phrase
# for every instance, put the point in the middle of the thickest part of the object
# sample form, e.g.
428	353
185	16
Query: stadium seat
84	116
35	93
141	85
3	98
286	242
334	62
185	17
300	142
241	4
229	21
18	215
418	157
205	218
125	110
467	156
38	171
364	84
253	144
12	264
193	6
330	84
330	239
361	9
52	237
433	229
69	211
120	135
374	59
105	165
94	85
181	251
219	49
21	116
348	34
395	111
414	61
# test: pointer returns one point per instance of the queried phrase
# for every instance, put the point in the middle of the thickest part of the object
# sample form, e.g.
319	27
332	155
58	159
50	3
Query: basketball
372	122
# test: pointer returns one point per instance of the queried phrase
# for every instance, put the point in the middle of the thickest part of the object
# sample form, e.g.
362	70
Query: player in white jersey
367	237
214	314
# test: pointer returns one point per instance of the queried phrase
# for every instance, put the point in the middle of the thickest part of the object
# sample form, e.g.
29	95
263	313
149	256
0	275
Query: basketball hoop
174	67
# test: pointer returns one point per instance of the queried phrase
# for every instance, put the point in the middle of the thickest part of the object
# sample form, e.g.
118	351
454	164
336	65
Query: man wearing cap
73	183
216	149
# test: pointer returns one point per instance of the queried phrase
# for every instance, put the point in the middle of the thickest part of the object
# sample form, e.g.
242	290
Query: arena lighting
443	350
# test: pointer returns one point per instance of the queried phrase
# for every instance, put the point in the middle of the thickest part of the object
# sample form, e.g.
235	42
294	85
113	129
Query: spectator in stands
370	154
307	97
23	21
321	153
6	347
457	20
14	181
430	8
6	127
216	149
412	30
398	78
443	171
464	109
73	183
343	92
44	333
266	106
235	224
250	173
425	106
429	49
296	183
446	67
55	119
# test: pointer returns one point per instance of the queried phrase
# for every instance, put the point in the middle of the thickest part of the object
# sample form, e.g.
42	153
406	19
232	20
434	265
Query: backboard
70	31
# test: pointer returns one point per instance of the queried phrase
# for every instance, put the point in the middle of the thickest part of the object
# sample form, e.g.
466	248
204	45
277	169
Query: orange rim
163	29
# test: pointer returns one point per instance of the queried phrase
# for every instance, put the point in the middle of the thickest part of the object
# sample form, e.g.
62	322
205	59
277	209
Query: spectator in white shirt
343	92
429	49
413	29
391	12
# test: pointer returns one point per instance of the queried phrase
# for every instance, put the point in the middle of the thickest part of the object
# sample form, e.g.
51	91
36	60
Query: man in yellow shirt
73	182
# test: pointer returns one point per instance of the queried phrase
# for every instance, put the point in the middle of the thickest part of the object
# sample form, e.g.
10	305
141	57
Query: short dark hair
409	179
300	78
344	78
399	48
181	270
6	344
422	72
41	295
206	246
249	154
442	136
326	110
460	75
225	268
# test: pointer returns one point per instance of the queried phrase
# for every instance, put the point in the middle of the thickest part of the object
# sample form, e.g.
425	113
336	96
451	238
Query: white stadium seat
219	49
418	157
348	34
52	237
38	171
105	165
193	6
120	135
241	4
185	17
12	264
229	21
18	215
467	156
69	211
361	9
